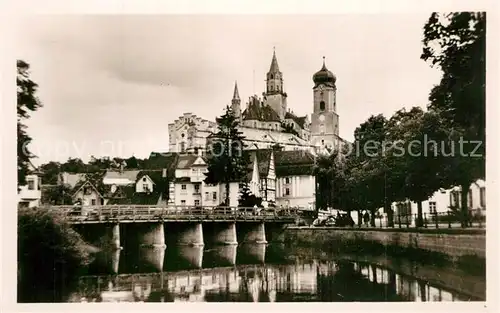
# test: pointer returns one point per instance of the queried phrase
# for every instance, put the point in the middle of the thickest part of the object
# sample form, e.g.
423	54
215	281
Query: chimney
164	173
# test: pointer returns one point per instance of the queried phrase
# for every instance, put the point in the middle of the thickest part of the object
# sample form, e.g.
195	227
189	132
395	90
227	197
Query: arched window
322	105
271	88
272	76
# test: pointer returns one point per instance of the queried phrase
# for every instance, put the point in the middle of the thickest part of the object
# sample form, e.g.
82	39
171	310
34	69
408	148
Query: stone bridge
136	226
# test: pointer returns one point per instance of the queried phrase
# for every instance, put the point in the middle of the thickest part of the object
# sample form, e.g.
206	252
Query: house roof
295	162
271	136
83	183
160	160
186	161
132	197
260	112
263	160
299	120
71	179
127	174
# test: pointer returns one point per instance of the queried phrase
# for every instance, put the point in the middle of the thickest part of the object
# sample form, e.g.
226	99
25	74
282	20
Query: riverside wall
454	243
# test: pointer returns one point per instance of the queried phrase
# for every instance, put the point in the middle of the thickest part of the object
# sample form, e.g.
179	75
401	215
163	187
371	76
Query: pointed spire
324	66
274	63
236	94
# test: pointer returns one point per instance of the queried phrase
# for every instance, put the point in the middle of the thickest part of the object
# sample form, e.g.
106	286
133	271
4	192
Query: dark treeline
415	152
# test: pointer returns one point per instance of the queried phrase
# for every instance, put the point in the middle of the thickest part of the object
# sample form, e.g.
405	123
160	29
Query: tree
247	199
50	254
370	176
456	43
58	195
329	171
226	162
50	172
74	165
132	162
414	158
26	102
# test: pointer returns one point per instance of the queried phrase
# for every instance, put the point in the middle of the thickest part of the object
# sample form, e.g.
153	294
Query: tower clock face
321	118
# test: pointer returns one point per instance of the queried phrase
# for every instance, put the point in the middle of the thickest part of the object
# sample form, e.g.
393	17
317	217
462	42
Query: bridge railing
142	212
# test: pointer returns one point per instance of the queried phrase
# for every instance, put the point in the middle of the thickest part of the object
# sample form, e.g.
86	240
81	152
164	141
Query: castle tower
236	102
324	119
275	96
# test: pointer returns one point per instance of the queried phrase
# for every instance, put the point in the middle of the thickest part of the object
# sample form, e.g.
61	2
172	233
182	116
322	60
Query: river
266	273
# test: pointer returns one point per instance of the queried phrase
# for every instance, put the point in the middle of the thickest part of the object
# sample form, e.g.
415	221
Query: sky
111	84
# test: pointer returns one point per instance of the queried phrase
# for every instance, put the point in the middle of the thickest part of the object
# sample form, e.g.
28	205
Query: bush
50	255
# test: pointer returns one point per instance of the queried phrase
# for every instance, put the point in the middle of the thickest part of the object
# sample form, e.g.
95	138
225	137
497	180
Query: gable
199	161
86	184
148	179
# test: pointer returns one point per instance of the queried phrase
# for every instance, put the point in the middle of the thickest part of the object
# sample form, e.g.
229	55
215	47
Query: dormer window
144	179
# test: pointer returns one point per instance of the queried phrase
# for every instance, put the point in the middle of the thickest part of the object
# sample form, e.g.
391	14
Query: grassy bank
50	255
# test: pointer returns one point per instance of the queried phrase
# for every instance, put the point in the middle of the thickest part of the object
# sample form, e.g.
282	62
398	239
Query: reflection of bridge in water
198	276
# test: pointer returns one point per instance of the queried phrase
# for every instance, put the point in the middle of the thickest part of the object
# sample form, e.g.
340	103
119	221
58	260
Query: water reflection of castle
309	281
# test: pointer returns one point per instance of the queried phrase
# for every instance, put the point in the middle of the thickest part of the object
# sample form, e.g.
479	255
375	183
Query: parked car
342	220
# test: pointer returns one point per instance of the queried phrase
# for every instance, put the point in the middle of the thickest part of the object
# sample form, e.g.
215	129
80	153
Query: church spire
274	63
236	102
236	94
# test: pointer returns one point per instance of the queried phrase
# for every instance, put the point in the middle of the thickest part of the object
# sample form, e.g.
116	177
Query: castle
267	121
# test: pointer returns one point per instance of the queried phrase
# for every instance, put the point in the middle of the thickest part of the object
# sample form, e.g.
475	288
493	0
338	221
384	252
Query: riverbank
465	248
50	255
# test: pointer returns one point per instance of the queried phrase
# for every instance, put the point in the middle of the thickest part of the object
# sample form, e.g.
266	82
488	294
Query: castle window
272	76
322	105
322	142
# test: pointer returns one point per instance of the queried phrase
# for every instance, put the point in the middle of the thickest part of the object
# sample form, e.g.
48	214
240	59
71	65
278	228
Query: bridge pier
275	232
103	236
220	233
185	234
249	232
152	236
139	235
